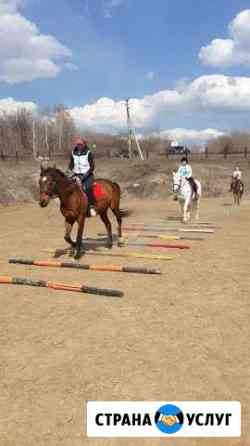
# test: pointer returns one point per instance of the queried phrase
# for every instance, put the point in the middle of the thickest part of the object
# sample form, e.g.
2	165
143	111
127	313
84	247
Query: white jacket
81	163
237	174
185	171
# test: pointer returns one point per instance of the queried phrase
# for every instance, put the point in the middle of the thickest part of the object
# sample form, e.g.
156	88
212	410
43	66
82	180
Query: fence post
245	152
206	152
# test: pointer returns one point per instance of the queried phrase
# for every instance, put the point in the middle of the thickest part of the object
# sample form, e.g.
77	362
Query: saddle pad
98	191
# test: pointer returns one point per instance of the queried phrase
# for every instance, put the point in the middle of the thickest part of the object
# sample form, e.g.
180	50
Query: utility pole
129	130
46	135
132	134
34	139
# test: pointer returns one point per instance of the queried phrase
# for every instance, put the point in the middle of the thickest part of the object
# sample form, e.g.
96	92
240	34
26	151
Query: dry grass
148	179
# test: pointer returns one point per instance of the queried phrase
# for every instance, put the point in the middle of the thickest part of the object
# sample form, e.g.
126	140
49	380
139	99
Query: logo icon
169	419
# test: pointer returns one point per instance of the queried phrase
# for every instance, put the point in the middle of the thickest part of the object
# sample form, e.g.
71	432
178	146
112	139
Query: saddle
96	189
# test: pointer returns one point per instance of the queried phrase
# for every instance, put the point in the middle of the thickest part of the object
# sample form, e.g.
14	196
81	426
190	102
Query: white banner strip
163	419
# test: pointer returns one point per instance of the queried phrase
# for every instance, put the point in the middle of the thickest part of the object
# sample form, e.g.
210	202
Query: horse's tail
115	204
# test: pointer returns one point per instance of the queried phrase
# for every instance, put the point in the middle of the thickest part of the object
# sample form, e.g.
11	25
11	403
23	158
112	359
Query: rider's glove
69	173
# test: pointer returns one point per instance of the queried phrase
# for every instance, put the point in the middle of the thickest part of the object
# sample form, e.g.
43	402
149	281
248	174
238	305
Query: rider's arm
91	163
179	171
189	173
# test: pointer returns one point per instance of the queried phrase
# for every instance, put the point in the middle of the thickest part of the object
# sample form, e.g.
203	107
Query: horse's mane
55	171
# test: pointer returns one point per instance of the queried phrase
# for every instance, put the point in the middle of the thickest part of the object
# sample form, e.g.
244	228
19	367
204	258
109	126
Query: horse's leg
197	208
182	210
185	211
68	230
79	250
108	226
118	216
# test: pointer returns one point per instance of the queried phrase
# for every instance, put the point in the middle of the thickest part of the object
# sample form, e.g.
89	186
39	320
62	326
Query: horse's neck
184	183
185	187
64	186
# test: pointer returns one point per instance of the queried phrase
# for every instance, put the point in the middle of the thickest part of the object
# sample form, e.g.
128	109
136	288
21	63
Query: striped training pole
59	286
92	267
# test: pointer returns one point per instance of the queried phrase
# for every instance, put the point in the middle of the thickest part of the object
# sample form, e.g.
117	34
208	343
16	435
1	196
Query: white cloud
10	6
185	136
216	93
25	53
234	50
109	6
9	106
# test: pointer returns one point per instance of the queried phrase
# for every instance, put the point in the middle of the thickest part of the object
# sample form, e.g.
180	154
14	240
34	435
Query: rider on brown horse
82	165
236	176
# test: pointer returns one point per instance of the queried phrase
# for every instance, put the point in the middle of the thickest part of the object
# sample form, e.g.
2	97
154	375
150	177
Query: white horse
183	190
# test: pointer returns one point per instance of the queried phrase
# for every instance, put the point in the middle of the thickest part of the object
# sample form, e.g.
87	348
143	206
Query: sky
185	65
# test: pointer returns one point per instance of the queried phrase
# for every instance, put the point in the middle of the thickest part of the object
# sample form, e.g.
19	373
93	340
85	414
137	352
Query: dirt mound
18	183
148	179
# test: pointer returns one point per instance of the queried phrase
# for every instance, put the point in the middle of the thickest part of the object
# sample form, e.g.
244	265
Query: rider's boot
92	211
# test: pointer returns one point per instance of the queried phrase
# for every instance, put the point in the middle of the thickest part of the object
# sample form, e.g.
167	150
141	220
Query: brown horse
74	204
237	187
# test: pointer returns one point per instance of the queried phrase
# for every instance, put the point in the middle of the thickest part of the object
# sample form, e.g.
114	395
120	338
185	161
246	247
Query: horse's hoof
120	242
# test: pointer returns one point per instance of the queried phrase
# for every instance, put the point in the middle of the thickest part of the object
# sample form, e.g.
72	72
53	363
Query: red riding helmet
78	141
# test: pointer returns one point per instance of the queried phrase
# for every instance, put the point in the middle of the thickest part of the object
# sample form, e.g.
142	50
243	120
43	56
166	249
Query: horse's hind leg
118	216
197	209
106	221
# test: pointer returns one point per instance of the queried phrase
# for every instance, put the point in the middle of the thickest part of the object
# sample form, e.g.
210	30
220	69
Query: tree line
50	134
24	134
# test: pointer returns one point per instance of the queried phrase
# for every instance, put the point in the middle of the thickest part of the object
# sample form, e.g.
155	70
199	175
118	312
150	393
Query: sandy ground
183	335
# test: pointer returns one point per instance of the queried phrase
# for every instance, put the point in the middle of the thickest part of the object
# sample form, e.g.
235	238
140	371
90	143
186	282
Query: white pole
129	130
34	139
132	134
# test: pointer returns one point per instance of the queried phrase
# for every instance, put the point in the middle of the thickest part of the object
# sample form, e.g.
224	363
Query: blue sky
130	48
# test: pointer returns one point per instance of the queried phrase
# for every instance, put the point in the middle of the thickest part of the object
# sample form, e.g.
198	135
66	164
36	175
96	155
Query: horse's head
47	185
177	180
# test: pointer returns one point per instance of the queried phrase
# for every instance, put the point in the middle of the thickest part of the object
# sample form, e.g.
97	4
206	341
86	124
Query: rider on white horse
184	191
185	171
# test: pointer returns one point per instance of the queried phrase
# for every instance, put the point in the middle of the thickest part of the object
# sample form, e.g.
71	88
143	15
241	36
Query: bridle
177	186
50	193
